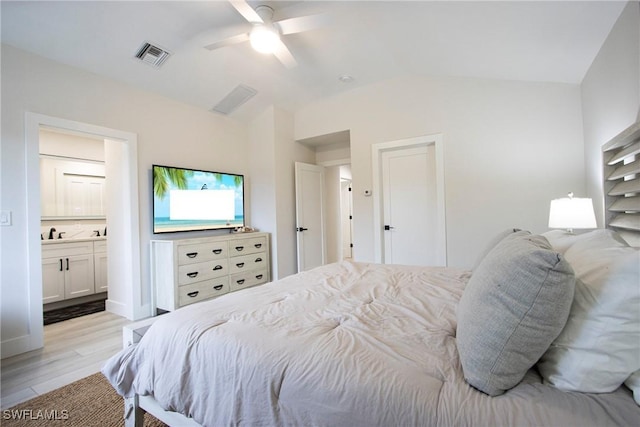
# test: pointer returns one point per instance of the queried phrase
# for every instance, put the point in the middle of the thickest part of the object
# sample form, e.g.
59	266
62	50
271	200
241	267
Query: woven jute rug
88	402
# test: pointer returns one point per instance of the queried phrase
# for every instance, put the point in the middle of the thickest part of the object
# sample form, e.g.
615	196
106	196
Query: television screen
190	200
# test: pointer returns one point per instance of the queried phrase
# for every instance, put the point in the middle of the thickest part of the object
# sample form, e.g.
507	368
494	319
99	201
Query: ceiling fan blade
284	55
303	23
228	42
247	11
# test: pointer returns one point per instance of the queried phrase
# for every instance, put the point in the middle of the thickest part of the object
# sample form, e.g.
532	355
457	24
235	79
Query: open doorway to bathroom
73	224
126	297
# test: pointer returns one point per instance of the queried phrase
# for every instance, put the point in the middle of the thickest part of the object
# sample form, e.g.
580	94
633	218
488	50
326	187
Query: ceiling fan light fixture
264	39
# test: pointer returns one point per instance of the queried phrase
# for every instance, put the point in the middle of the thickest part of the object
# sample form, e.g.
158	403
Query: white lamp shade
571	213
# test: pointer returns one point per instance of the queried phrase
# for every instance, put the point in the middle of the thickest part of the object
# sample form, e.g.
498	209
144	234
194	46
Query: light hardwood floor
73	349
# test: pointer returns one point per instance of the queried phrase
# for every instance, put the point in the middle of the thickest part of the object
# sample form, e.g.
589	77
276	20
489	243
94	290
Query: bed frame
136	406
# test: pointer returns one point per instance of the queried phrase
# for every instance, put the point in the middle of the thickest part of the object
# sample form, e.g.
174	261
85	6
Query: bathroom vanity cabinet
69	269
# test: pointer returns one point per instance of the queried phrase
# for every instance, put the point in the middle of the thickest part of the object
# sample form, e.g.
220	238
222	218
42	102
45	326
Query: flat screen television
192	200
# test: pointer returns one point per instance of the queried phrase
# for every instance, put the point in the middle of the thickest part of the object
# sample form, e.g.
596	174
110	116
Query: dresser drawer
199	252
247	246
191	273
248	279
201	291
247	262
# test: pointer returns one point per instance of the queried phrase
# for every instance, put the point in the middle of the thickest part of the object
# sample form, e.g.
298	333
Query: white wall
510	147
75	146
168	132
611	97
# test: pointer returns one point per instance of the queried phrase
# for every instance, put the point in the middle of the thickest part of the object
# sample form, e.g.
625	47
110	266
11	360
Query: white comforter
346	344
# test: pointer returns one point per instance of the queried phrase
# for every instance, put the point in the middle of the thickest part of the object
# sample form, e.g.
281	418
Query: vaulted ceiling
369	40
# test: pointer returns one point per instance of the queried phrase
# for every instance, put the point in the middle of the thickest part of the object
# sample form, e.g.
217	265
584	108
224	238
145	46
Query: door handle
301	229
388	227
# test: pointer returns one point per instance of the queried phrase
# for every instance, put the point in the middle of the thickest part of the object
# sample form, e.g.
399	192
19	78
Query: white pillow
561	240
599	348
633	382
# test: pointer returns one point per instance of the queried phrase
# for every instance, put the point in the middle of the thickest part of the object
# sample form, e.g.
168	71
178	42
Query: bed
362	344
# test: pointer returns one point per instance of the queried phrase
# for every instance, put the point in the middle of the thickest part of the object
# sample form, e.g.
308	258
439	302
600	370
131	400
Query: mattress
344	344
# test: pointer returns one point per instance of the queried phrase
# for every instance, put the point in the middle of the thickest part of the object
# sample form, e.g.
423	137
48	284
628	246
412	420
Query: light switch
5	218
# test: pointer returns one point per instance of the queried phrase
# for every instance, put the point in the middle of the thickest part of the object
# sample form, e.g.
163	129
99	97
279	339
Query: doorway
73	201
408	191
125	293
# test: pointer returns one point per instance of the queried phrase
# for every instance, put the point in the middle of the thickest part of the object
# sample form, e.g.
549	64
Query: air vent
152	55
234	99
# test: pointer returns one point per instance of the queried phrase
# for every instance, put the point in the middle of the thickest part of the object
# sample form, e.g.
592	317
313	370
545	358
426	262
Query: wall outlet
5	218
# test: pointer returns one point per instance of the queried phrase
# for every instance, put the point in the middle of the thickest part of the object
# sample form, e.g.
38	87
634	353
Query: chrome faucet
51	231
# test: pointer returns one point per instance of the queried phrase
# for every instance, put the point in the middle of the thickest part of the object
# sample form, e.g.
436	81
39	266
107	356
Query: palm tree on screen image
237	179
163	176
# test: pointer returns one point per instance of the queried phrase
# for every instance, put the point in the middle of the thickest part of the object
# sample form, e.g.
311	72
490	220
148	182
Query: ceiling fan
265	35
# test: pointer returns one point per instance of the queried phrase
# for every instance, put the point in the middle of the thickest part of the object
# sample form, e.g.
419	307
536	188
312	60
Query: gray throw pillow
515	304
494	241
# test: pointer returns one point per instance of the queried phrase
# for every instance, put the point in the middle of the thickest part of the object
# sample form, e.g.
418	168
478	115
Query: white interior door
410	214
309	215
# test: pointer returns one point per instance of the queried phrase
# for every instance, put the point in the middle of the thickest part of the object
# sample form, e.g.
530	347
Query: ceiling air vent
234	99
152	55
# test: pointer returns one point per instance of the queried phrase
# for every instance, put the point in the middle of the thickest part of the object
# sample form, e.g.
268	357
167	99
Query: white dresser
186	271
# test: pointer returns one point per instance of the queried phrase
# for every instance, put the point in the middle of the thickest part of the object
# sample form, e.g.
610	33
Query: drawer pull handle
192	254
217	251
258	245
240	264
240	282
192	275
218	287
258	260
217	267
239	248
259	276
61	264
193	294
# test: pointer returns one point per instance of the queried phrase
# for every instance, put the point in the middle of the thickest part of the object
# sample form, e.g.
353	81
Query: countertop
73	240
